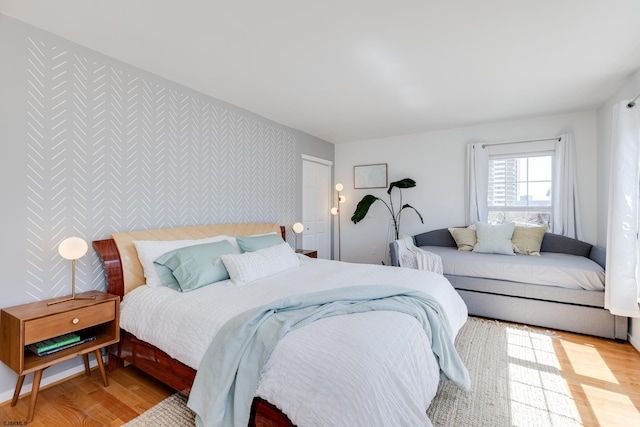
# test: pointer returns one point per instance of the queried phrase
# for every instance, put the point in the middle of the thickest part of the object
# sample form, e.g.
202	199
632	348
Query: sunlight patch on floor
617	411
586	361
539	395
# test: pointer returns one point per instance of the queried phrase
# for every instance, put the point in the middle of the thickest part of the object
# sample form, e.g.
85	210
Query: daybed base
156	362
548	314
572	310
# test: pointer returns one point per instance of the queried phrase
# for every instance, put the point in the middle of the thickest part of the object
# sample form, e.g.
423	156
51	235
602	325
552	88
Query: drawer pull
75	321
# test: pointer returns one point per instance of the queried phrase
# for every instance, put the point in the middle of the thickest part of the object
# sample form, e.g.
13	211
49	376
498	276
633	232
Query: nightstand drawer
62	323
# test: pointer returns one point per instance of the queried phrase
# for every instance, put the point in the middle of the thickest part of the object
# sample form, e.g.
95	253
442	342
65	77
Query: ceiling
346	70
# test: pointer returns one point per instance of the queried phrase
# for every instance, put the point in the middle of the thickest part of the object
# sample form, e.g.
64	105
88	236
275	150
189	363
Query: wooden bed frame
147	357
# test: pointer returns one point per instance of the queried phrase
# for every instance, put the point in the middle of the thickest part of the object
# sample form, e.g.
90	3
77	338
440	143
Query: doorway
316	205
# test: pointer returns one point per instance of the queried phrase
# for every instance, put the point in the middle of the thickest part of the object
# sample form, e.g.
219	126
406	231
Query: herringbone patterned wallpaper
110	149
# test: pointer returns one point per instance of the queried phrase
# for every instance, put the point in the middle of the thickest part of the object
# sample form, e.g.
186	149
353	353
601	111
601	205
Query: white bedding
551	269
391	382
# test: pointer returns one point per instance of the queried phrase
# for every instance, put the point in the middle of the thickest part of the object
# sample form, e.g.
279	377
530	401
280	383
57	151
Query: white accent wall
436	161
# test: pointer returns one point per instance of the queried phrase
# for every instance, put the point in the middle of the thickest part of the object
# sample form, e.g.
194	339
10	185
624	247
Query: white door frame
328	163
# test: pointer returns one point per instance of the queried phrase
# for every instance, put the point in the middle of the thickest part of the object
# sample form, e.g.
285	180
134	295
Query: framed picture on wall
370	176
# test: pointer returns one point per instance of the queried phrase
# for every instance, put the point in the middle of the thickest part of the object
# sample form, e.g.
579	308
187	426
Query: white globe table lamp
72	249
297	228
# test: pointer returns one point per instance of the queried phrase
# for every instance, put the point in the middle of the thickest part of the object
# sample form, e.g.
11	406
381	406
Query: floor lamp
336	211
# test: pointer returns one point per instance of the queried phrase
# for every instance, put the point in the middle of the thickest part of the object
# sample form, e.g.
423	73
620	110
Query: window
527	182
520	189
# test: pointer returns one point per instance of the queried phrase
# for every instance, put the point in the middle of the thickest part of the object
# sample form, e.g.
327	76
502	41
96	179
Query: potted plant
363	205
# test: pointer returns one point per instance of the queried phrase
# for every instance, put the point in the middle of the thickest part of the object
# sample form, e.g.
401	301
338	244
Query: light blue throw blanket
229	373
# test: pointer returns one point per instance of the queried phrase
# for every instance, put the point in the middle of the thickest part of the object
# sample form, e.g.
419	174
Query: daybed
574	310
354	368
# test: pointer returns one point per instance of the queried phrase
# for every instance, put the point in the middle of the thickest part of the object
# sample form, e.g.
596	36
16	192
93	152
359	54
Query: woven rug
515	381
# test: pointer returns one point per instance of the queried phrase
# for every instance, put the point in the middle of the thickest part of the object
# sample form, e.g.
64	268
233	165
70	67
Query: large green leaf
414	209
363	207
403	183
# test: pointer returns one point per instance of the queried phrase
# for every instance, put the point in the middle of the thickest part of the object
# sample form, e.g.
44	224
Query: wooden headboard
122	267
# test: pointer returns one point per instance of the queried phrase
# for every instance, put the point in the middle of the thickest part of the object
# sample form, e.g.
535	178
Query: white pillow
494	239
150	250
250	266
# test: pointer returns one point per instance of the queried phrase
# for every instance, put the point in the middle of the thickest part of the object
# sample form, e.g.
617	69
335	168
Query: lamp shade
334	211
339	187
298	227
73	248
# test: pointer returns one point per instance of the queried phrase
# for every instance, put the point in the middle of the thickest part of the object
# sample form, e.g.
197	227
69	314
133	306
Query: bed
562	288
394	357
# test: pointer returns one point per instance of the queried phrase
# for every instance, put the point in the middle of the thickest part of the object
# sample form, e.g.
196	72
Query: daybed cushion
551	269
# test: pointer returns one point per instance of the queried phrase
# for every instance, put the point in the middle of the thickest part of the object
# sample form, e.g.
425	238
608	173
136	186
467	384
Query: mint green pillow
494	239
253	243
196	266
166	277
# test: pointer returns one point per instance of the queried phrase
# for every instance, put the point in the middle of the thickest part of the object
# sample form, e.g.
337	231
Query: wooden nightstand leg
37	376
103	372
87	369
16	394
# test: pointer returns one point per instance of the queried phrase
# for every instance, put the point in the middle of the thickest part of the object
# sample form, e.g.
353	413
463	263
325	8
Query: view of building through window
520	190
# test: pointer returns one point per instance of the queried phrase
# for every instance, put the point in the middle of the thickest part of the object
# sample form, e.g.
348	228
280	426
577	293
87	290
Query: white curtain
565	195
621	291
477	183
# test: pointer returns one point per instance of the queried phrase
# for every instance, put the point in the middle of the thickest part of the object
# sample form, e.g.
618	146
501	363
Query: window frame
531	150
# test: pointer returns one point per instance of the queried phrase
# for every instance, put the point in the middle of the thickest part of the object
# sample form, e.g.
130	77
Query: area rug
171	412
515	381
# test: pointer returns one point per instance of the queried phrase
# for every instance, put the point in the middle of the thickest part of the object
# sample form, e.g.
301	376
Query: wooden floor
83	401
603	377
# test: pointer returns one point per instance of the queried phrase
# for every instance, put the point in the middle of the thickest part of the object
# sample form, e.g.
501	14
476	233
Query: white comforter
382	360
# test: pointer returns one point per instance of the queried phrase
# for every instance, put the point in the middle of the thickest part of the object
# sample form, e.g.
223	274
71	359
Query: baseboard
6	396
635	341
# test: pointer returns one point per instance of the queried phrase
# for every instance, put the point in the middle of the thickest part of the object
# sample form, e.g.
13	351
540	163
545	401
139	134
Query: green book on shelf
64	347
53	343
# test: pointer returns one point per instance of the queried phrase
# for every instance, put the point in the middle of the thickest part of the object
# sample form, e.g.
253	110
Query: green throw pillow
198	265
166	277
494	239
253	243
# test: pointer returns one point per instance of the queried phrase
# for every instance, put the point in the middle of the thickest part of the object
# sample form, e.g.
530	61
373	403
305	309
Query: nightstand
30	323
311	253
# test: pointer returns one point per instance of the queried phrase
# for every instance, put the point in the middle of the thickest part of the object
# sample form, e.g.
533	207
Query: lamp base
70	299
